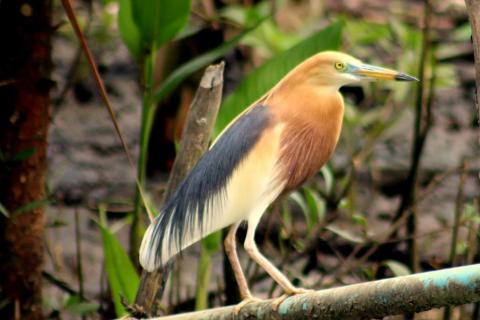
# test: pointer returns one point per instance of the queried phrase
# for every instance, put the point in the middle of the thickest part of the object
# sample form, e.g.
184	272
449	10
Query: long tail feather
199	206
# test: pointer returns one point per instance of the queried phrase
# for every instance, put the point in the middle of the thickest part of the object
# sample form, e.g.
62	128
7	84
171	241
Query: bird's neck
320	104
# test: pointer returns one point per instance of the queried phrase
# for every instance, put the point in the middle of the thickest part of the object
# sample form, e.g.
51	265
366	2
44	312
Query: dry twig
195	138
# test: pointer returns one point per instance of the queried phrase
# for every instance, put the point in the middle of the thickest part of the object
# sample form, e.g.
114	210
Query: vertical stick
473	10
458	214
195	139
203	279
456	225
79	255
472	237
474	250
421	127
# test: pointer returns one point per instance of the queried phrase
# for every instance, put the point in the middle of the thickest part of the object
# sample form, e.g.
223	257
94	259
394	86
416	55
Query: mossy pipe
376	299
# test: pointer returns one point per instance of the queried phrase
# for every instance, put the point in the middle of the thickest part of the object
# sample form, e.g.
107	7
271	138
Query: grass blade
4	211
122	276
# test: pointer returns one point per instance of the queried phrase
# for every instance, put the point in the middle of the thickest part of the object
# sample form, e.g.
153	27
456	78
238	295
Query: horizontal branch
376	299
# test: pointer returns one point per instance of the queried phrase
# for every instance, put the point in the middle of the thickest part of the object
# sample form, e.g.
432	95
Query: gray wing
190	213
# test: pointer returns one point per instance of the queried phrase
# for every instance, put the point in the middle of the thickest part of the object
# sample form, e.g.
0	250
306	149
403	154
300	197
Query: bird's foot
278	301
249	299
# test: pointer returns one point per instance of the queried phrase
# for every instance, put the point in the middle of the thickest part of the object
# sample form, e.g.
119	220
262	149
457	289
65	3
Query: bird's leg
231	250
277	275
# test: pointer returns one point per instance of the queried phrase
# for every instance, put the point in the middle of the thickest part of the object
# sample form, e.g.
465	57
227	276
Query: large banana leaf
260	80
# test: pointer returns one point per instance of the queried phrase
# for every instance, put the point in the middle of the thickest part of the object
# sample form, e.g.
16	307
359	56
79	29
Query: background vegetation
399	196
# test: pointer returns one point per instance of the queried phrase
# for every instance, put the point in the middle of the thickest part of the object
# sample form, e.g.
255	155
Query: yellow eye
340	66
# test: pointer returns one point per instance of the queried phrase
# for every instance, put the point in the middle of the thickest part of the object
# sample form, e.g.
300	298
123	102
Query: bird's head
332	68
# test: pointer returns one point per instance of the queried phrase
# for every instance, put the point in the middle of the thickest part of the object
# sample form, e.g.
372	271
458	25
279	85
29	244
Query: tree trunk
25	64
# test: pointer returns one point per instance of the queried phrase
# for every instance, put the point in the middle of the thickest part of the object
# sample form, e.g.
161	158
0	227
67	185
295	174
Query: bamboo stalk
376	299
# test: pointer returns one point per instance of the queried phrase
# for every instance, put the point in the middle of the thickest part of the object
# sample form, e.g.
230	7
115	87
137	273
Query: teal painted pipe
376	299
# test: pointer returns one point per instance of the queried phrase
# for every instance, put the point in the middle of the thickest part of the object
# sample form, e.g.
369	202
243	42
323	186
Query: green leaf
262	79
317	207
327	174
24	154
360	220
309	210
192	28
212	242
106	2
298	199
287	220
159	20
365	33
129	31
204	272
462	33
74	304
31	206
4	211
268	38
344	234
4	303
122	276
243	15
57	223
397	268
469	213
185	70
462	247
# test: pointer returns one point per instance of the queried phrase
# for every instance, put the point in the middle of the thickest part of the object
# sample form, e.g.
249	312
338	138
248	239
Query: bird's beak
374	72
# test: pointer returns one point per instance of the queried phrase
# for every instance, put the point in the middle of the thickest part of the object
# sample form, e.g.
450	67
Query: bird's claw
244	302
278	301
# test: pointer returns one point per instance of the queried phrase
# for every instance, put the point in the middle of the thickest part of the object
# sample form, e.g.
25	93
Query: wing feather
219	190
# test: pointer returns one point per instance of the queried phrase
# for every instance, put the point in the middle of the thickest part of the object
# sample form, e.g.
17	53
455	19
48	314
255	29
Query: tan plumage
270	149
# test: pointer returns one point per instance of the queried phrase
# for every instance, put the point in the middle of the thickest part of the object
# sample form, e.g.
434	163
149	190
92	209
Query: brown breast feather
312	124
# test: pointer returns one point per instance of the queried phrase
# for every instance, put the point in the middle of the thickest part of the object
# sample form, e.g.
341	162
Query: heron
267	151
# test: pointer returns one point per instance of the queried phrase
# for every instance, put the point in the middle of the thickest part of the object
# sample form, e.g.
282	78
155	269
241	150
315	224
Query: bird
266	152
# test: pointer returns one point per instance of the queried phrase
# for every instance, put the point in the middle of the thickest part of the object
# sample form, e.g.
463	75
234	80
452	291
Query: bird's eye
340	66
